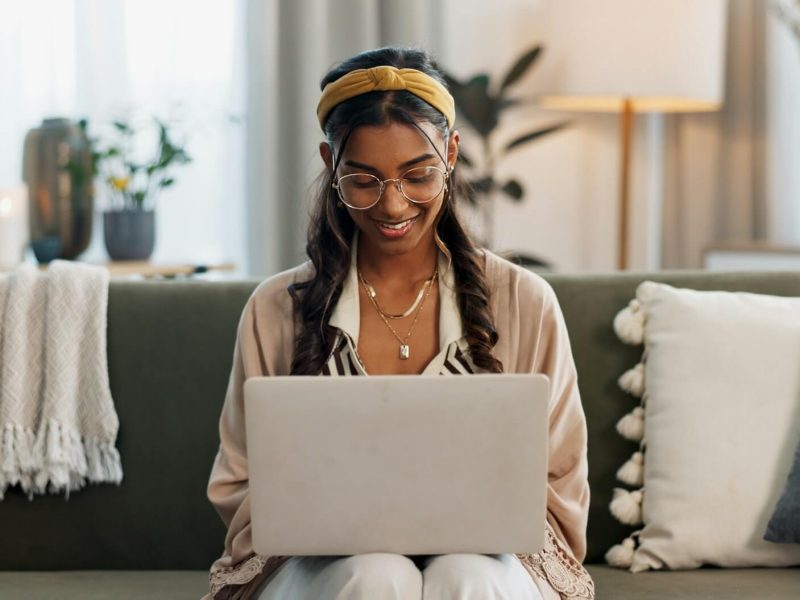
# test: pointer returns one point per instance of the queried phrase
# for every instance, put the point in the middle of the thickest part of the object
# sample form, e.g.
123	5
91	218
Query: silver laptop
408	465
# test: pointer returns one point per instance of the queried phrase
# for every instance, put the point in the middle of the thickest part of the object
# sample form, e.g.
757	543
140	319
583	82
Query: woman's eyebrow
408	163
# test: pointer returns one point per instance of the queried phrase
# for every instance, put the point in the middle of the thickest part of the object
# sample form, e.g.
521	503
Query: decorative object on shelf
482	108
57	167
133	186
633	56
13	226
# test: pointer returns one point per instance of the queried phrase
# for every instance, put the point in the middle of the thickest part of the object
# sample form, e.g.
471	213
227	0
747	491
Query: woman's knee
473	576
376	575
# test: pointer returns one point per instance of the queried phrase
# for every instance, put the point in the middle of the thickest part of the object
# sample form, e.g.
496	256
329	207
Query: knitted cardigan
533	338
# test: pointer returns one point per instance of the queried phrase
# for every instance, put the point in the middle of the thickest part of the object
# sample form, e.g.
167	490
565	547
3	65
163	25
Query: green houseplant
482	105
132	185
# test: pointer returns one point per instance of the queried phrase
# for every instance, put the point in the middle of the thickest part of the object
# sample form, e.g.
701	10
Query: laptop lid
401	464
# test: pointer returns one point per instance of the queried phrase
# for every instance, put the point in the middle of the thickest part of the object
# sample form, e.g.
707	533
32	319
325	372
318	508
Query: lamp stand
626	130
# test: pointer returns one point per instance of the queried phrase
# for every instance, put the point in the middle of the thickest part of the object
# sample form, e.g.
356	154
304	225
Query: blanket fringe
17	457
55	459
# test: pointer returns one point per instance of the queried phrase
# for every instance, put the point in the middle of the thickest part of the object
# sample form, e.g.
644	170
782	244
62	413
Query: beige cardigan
532	339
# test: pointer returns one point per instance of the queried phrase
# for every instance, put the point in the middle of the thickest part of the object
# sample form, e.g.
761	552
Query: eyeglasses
362	191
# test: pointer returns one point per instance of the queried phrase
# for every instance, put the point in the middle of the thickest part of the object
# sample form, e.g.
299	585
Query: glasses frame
337	186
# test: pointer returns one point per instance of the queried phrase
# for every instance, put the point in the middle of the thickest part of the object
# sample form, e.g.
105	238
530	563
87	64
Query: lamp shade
661	55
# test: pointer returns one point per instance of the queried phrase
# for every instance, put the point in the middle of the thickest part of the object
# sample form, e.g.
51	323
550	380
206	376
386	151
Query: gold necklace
374	295
405	350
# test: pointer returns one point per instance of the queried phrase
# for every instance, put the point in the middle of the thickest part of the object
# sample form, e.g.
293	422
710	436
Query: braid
471	289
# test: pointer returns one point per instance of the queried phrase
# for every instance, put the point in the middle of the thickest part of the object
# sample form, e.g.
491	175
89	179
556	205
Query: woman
395	285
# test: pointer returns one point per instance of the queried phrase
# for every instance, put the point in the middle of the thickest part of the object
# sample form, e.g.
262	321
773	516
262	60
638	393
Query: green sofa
170	347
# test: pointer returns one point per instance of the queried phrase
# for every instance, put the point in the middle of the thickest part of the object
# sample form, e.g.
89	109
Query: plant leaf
476	104
530	136
484	185
453	84
513	190
123	127
523	63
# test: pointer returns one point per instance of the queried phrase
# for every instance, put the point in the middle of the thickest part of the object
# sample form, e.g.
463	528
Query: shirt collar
346	315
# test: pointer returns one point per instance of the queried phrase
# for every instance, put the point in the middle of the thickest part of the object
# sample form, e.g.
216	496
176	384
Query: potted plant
482	107
132	187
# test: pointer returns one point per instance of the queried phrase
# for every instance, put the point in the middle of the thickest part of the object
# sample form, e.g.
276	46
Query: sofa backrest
170	348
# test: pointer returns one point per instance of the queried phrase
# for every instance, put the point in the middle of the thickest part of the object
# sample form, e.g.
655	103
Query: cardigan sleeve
228	484
262	343
568	484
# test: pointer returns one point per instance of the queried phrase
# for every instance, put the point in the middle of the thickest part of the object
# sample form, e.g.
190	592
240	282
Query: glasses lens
423	184
360	190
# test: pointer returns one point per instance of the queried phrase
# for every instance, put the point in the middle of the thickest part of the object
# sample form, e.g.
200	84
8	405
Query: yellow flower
120	183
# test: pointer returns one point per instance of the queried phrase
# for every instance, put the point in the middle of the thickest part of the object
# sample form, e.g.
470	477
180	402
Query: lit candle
13	226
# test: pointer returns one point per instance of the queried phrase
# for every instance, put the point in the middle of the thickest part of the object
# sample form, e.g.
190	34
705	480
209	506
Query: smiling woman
395	285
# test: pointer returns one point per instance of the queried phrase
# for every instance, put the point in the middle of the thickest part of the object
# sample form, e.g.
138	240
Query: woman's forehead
393	142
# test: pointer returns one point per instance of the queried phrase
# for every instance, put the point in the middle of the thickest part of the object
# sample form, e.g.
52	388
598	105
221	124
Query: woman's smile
395	229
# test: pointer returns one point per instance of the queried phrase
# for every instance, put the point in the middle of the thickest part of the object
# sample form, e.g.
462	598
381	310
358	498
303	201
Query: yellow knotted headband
386	78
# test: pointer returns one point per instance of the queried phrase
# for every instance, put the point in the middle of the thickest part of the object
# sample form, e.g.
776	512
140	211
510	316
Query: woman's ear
452	149
326	154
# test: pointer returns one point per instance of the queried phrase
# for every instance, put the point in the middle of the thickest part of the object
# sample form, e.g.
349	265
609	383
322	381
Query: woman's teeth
397	225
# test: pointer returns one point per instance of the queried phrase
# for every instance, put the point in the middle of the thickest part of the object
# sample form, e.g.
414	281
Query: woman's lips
397	230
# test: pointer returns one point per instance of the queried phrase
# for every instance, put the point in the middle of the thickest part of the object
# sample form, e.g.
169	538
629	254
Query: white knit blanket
58	424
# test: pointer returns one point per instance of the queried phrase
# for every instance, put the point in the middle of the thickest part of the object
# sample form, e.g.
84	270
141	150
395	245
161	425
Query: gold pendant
404	351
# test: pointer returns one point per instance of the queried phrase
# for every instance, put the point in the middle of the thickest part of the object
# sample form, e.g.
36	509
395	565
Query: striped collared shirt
453	357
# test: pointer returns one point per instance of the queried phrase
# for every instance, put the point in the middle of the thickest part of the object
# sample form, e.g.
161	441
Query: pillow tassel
629	323
621	555
632	380
631	426
626	506
632	472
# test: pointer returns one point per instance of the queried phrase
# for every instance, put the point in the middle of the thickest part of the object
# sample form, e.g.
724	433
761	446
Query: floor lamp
630	56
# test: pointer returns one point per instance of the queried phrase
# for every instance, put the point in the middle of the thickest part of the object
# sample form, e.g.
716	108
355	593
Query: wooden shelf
148	269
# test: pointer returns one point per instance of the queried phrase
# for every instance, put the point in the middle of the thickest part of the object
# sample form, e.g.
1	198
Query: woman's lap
394	576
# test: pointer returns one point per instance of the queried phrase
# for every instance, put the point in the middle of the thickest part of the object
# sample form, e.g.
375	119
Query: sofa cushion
708	583
101	585
700	584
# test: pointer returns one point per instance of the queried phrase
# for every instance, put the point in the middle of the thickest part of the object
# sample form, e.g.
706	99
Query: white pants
396	577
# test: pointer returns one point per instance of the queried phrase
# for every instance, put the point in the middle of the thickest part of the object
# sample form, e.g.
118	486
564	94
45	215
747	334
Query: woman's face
394	225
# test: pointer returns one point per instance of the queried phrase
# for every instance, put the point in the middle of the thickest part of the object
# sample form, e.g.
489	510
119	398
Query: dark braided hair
331	230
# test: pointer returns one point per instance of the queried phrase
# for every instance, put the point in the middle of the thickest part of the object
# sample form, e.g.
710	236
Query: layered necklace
417	305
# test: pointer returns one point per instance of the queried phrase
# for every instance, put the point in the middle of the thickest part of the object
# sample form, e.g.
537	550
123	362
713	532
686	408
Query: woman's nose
394	203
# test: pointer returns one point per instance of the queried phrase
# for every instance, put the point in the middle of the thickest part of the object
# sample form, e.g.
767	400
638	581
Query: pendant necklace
405	350
373	295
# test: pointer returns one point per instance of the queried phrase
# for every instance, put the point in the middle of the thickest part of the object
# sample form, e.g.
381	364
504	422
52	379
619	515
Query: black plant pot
129	234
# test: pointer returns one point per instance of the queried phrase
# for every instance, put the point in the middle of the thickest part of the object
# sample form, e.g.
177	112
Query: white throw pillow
721	396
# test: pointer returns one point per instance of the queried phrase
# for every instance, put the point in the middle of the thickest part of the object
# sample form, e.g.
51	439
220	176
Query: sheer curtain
715	174
103	59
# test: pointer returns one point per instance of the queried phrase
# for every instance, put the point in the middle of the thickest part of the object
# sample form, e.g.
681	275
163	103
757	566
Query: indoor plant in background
482	108
132	185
